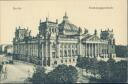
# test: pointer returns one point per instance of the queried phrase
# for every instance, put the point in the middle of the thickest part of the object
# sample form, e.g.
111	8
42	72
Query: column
62	50
58	53
95	50
92	50
42	54
71	50
89	50
98	49
101	49
86	50
67	52
104	49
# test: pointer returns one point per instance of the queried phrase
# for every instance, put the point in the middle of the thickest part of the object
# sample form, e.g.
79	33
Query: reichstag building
61	43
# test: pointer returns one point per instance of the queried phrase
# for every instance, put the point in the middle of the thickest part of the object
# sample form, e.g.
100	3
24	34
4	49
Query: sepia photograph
63	41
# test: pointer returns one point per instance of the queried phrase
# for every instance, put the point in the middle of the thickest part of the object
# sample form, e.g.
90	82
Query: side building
61	43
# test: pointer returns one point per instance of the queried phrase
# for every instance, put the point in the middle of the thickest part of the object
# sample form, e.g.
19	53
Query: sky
82	13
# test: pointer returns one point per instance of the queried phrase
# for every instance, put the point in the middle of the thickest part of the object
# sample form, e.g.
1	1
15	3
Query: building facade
61	43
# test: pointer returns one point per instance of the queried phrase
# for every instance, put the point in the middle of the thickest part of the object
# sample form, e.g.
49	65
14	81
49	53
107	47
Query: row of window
65	61
21	49
69	52
53	30
69	45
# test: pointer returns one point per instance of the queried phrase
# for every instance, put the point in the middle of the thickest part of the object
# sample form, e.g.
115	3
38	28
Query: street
17	72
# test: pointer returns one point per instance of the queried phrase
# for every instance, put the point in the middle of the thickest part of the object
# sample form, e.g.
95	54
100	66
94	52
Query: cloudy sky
84	13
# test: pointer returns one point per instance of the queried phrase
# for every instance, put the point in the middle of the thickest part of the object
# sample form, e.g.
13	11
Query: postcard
63	41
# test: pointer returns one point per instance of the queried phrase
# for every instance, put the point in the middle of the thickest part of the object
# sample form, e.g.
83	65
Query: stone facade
61	43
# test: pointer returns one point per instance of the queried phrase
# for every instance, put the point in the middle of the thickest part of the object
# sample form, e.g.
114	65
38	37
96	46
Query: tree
88	64
93	65
112	72
120	73
103	70
62	74
39	76
121	51
1	67
83	62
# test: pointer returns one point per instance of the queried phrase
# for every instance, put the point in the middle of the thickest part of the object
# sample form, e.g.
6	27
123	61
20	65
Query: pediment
94	38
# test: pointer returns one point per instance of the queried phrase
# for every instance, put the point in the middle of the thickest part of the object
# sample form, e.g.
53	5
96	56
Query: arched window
50	29
61	61
55	62
76	52
61	53
69	46
69	52
72	52
53	46
65	52
53	30
65	45
61	45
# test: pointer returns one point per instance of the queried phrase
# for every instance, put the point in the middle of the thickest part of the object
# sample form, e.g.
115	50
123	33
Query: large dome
66	27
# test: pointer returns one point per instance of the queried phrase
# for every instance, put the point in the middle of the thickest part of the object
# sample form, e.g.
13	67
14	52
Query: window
72	46
65	52
69	52
65	60
61	61
55	62
61	45
72	52
69	60
73	60
76	52
61	53
65	46
69	46
54	45
50	29
53	30
53	54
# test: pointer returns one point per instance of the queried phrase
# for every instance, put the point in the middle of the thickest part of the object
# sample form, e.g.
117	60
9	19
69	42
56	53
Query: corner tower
109	36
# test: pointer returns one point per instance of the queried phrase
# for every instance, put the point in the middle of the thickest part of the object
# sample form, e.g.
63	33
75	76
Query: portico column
92	49
101	49
104	50
58	52
71	50
63	50
98	49
86	50
89	49
67	52
95	49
